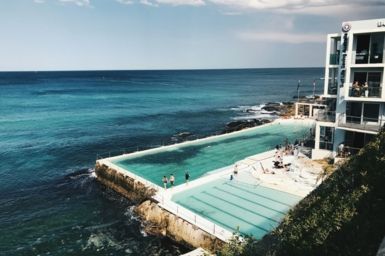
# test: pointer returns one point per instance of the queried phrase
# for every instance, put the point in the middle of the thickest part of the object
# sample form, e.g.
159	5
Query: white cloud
39	1
283	37
146	2
125	1
294	4
77	2
182	2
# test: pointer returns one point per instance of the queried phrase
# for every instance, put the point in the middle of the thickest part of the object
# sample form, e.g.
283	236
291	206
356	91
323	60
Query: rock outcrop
242	124
161	222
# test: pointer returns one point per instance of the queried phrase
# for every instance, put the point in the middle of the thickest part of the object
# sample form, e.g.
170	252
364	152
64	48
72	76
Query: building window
360	113
333	82
369	48
326	137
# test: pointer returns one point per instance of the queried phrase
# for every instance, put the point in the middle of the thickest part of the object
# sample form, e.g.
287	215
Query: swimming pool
236	205
202	156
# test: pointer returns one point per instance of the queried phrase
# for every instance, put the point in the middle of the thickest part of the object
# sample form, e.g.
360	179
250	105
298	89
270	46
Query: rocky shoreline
276	109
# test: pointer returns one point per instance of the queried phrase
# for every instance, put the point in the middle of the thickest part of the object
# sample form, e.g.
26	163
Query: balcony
365	58
326	145
360	122
332	89
334	59
326	116
347	151
374	90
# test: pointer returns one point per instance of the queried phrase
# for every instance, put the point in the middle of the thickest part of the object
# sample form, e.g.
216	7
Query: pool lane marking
207	216
232	215
247	191
241	207
246	199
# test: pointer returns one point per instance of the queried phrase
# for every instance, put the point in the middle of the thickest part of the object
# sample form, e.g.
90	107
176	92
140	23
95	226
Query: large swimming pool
238	205
202	156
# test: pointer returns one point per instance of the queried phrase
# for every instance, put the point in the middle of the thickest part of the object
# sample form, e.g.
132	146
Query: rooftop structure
352	108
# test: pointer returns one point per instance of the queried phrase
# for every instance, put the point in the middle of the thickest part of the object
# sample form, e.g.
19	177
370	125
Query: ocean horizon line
125	70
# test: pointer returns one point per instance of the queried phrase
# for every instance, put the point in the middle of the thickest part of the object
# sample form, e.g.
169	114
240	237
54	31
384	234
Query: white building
353	102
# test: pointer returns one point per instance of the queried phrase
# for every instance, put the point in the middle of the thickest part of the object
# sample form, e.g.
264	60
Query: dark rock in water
272	107
242	124
301	97
182	136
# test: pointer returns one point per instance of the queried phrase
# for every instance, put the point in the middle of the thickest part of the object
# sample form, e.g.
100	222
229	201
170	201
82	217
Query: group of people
171	180
360	89
288	149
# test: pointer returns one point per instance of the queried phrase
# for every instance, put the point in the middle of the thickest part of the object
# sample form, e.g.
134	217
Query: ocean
54	125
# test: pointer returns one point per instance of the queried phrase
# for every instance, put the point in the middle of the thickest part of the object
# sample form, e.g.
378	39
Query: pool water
202	156
251	209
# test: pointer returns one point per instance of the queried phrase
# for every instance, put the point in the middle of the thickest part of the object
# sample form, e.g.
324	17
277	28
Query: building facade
353	102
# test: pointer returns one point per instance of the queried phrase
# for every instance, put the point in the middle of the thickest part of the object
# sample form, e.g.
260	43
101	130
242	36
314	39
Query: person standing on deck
235	169
186	177
165	181
172	180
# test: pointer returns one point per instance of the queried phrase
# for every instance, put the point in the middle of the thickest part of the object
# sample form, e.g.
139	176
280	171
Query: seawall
123	184
156	220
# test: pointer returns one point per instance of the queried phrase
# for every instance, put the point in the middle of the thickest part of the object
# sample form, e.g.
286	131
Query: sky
172	34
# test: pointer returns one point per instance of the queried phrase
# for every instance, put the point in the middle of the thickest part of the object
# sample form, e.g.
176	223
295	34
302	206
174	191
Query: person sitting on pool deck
172	180
165	181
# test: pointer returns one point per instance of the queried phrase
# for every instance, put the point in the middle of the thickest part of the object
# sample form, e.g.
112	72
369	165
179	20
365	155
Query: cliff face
123	184
161	222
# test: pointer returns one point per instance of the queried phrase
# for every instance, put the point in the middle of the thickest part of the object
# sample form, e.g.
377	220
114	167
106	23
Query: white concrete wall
317	154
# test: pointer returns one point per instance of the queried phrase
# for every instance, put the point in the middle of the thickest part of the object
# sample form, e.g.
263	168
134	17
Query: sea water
54	124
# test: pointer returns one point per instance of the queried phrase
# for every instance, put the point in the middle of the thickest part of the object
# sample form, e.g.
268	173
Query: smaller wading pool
202	156
235	205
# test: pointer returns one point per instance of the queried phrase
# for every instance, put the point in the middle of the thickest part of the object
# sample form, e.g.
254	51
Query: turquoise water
253	209
208	155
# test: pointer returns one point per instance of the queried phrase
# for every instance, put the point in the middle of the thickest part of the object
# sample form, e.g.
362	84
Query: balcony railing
334	59
332	89
360	122
326	145
326	116
348	151
371	92
376	58
364	58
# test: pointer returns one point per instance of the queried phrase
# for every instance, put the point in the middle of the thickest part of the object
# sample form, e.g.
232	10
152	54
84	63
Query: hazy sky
171	34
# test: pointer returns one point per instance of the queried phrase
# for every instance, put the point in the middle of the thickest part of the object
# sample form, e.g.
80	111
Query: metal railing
371	92
332	88
360	122
348	151
326	116
364	58
326	145
193	218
